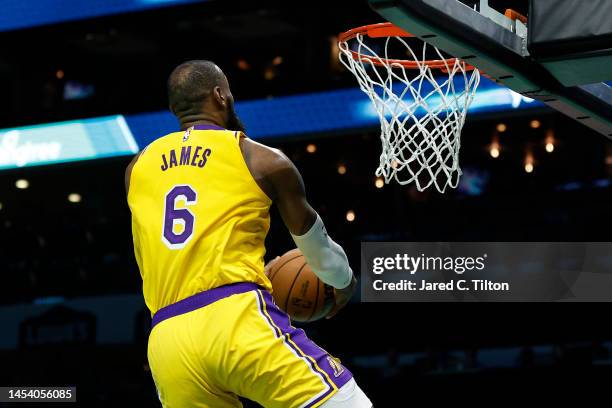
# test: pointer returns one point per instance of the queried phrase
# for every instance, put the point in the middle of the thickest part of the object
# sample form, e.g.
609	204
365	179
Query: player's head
199	90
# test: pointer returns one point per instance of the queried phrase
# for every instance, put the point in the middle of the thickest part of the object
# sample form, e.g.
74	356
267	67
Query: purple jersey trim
200	300
208	127
296	339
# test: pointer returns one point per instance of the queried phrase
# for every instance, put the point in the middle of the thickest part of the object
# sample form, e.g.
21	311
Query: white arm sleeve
326	258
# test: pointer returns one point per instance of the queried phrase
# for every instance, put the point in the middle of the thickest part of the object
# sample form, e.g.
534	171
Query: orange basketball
297	290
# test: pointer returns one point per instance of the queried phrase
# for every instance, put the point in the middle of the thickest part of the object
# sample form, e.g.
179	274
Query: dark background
50	247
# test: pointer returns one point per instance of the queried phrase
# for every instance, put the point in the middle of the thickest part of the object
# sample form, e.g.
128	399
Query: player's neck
189	122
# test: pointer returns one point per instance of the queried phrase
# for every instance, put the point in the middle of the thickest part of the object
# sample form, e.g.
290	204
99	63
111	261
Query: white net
422	110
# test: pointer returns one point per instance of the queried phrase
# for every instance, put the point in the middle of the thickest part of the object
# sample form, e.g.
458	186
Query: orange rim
382	30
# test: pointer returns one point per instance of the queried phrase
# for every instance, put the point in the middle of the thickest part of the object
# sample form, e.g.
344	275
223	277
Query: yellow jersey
199	219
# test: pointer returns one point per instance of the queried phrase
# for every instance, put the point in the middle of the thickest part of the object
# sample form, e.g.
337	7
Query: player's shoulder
266	158
268	166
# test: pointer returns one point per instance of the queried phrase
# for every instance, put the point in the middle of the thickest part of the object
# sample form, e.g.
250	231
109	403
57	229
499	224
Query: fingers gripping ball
297	290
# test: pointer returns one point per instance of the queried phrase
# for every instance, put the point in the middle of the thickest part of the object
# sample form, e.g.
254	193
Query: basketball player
200	202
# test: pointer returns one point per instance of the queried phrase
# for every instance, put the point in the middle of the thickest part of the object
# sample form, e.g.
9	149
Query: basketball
297	290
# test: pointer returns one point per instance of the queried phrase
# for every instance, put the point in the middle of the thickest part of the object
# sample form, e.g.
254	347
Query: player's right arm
282	182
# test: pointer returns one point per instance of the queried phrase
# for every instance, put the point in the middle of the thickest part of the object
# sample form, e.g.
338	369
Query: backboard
497	44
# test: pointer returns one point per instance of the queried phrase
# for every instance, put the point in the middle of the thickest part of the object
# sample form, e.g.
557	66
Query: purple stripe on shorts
338	374
208	127
201	299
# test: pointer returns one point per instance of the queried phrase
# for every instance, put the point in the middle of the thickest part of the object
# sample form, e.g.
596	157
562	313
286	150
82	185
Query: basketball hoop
421	113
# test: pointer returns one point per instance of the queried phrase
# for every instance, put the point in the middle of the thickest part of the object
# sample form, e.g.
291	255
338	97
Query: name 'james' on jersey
199	219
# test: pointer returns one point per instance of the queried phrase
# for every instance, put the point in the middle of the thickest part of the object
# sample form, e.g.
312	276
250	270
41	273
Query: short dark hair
190	84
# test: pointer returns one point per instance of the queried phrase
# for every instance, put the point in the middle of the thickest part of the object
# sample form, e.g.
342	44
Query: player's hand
342	297
269	266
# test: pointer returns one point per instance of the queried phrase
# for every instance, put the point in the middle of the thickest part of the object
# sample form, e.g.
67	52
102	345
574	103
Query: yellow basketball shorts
231	341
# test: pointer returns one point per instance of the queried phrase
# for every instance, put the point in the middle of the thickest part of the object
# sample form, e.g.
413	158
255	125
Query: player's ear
219	97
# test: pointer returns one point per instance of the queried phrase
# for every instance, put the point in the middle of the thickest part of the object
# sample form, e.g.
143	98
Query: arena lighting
22	184
269	74
494	148
350	215
379	183
501	128
529	163
535	124
243	65
550	141
334	57
74	198
341	169
311	148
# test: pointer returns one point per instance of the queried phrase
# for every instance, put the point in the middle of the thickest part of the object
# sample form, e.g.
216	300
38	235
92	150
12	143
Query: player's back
199	219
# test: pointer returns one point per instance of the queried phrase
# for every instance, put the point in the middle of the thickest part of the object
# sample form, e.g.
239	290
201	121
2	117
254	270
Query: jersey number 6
178	216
